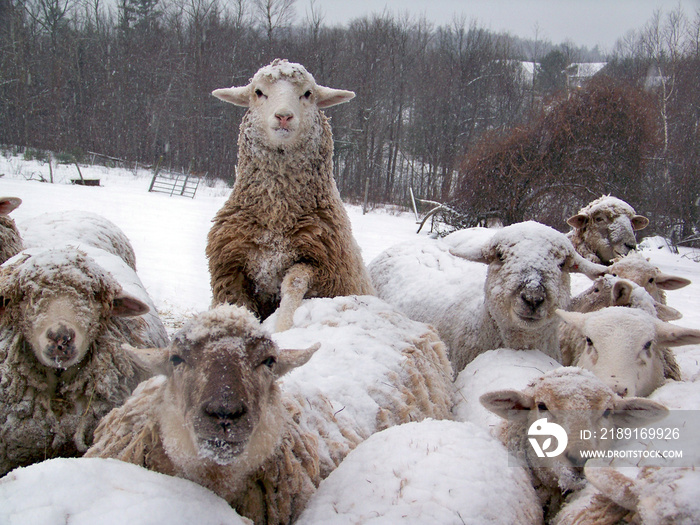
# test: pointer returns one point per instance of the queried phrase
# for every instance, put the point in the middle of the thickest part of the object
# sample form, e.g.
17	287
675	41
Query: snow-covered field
169	237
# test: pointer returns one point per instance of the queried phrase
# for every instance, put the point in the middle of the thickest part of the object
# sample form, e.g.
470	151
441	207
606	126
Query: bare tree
273	15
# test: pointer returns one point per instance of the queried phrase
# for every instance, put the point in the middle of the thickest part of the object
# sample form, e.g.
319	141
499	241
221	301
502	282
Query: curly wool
284	209
10	240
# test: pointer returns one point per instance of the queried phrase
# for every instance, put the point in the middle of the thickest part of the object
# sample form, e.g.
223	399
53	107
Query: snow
169	238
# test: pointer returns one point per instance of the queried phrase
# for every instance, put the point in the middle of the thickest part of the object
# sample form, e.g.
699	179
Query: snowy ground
169	237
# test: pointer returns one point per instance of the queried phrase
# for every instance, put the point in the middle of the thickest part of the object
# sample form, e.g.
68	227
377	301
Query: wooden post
415	208
78	167
155	173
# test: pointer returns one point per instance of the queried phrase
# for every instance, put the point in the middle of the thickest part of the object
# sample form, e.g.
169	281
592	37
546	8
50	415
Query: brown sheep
10	240
283	234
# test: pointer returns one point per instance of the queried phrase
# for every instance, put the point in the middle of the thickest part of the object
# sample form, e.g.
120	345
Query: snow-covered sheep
628	348
576	400
222	418
77	228
656	496
427	472
86	491
63	321
527	279
604	229
10	239
639	270
283	234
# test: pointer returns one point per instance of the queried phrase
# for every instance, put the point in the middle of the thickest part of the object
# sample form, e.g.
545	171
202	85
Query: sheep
426	472
63	320
638	269
222	419
80	229
283	234
527	279
656	496
610	291
86	491
576	400
604	229
628	348
10	239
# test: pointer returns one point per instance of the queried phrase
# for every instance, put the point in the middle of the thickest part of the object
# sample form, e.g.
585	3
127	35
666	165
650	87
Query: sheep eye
596	290
647	345
607	413
269	362
307	94
589	341
541	407
651	281
259	93
176	360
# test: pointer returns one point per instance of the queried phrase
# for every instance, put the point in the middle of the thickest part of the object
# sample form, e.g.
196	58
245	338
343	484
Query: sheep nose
284	117
533	297
225	416
631	246
622	392
61	340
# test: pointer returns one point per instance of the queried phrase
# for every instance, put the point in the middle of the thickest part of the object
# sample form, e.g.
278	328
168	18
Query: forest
488	124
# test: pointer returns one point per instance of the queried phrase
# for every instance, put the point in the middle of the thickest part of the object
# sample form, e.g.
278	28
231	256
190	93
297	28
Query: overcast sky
584	22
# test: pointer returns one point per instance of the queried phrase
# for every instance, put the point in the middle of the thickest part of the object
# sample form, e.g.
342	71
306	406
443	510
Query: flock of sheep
308	362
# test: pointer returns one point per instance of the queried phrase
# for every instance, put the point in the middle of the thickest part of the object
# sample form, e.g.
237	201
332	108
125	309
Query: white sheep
604	229
655	496
427	472
77	228
10	239
628	348
283	234
576	400
222	419
527	279
639	270
87	491
63	321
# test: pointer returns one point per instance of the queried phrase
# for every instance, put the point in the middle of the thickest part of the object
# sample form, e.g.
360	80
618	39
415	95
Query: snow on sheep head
283	101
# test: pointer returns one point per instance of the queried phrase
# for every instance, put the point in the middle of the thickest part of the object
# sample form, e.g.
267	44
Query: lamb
527	280
657	496
283	234
576	400
427	472
638	269
628	348
604	229
222	417
10	239
63	320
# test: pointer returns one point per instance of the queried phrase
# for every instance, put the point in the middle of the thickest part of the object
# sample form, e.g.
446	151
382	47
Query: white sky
584	22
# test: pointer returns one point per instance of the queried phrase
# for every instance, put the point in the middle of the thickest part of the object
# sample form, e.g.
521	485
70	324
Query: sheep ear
290	359
633	412
612	484
668	334
7	204
327	97
622	292
639	222
589	269
671	282
474	253
504	402
666	313
575	319
577	221
125	305
239	96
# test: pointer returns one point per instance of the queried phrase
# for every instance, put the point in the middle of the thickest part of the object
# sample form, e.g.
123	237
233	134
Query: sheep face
222	383
283	101
607	227
528	274
58	299
576	400
624	347
639	270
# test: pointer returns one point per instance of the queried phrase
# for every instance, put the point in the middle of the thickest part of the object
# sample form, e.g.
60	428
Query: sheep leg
294	286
